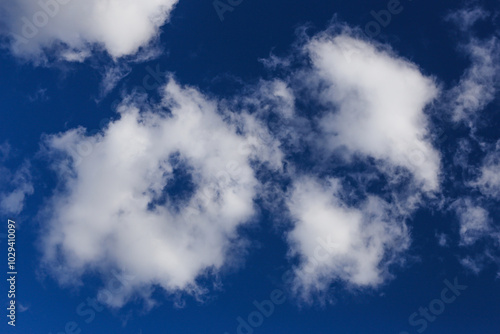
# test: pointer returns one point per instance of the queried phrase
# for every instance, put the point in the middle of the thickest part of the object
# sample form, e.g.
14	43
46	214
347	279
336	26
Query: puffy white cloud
115	211
375	103
74	28
338	242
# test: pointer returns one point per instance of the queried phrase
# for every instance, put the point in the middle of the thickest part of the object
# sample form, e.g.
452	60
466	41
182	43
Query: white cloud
442	239
279	94
274	62
114	212
474	221
335	241
474	265
479	84
74	28
479	235
16	184
112	76
23	308
465	18
467	102
39	95
370	105
375	103
476	214
488	181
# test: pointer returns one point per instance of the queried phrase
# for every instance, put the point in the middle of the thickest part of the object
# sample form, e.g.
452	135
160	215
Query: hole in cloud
180	185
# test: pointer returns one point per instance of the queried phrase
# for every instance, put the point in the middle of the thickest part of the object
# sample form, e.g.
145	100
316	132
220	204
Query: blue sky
251	166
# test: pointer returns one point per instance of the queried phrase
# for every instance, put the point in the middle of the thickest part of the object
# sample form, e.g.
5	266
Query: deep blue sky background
213	55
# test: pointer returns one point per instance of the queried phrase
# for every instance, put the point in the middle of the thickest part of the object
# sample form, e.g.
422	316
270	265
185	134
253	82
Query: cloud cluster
468	102
372	106
476	211
479	83
73	29
160	194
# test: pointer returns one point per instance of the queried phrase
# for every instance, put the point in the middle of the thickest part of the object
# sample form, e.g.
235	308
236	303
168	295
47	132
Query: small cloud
465	18
21	308
112	76
5	150
16	184
273	62
12	202
39	95
474	221
442	239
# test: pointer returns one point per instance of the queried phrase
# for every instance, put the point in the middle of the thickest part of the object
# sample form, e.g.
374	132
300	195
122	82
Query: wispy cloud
479	84
113	74
16	183
467	103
